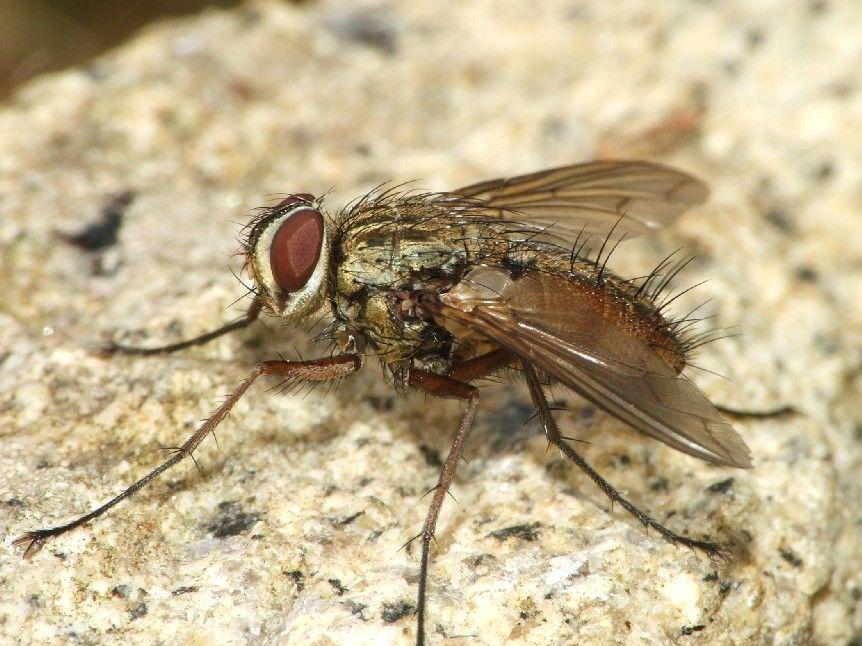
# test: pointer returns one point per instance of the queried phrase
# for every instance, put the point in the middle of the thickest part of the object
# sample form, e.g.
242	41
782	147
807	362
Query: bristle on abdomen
619	303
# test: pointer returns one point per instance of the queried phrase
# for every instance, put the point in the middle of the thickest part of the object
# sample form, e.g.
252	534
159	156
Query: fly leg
772	413
250	317
481	366
440	386
327	369
550	426
450	385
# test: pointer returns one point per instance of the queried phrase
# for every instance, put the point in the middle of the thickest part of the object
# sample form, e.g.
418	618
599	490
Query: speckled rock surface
290	533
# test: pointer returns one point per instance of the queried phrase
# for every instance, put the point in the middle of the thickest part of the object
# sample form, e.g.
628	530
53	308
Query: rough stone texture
203	118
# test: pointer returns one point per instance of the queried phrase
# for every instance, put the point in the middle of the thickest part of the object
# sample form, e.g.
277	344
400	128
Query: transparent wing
593	197
550	321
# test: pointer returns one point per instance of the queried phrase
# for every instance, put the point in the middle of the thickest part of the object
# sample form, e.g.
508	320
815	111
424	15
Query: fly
447	288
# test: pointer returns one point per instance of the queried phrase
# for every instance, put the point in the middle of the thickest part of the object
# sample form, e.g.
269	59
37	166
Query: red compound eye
296	198
296	249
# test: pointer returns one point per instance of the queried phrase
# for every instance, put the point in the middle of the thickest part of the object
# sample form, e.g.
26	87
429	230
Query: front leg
250	317
317	370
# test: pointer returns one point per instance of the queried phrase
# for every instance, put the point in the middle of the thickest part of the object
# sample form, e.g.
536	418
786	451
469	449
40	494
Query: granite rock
120	184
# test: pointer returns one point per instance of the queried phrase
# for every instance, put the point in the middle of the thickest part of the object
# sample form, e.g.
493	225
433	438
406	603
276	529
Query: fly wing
548	320
628	197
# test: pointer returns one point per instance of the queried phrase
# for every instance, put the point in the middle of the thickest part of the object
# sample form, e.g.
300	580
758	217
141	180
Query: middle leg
440	386
450	385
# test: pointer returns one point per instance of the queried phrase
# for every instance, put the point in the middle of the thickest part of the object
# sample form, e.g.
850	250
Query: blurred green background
39	36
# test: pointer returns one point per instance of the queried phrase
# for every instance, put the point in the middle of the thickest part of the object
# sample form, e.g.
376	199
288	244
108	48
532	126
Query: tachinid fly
446	288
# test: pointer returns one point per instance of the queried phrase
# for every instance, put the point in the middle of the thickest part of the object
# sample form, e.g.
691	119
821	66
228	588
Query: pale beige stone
204	118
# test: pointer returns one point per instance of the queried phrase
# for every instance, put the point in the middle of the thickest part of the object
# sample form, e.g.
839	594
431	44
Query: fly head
287	253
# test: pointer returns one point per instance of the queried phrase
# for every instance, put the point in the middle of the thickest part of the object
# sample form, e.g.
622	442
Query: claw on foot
104	348
33	542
